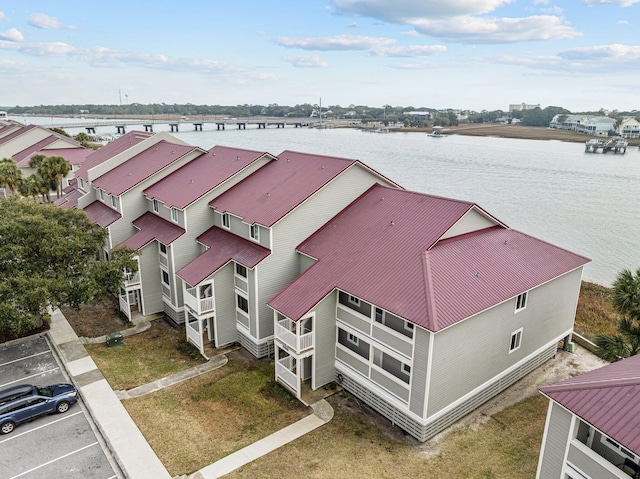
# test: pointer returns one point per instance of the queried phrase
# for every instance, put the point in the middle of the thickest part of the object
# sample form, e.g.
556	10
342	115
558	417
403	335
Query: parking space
57	445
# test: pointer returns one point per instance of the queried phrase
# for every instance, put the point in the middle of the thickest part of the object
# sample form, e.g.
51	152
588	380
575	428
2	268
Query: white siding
473	220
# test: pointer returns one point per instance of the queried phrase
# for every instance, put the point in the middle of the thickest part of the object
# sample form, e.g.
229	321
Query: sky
582	55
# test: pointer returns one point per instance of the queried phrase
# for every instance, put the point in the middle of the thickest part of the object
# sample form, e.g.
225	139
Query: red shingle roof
277	188
384	249
607	398
152	227
223	247
110	150
140	167
101	214
201	175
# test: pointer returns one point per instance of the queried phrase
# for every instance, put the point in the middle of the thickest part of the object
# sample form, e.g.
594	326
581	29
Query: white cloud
622	3
406	11
338	42
45	22
624	22
352	25
3	17
12	35
306	61
497	30
611	53
411	51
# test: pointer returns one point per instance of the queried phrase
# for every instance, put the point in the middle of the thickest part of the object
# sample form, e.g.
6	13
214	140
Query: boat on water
437	132
616	144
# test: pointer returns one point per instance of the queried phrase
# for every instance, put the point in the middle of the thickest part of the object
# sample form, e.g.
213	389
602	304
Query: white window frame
254	232
238	273
174	214
81	183
515	340
226	220
353	300
162	274
620	449
382	316
521	301
162	246
353	339
156	206
101	194
406	369
238	308
114	201
408	326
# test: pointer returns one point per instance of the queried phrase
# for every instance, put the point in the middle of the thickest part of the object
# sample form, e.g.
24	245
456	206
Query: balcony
198	305
285	371
131	279
287	333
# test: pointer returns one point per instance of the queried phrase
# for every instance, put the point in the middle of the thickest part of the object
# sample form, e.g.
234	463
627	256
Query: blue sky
468	54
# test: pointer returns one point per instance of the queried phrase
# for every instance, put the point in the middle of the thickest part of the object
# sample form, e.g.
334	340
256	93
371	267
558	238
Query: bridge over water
221	123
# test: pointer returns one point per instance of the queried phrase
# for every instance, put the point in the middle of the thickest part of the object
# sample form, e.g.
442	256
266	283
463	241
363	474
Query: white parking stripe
28	377
26	357
54	460
15	436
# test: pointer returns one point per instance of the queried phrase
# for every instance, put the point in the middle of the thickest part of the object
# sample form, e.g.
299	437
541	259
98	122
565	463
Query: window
521	301
617	447
101	194
255	232
406	368
163	248
243	304
165	278
241	270
156	206
114	202
353	339
174	214
408	326
226	222
355	301
81	183
379	314
516	339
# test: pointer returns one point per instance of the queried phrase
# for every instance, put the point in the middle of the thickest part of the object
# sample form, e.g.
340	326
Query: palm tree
10	175
30	187
626	300
51	169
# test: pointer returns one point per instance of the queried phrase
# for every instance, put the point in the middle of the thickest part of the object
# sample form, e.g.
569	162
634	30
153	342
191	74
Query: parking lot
57	445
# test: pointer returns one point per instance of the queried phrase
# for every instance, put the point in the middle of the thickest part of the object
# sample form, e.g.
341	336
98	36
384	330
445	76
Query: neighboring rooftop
280	186
151	227
201	175
110	150
393	235
14	134
223	247
607	398
99	213
140	167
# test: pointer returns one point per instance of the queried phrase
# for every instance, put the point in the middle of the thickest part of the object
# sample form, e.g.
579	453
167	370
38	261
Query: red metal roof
18	132
70	199
384	249
222	248
101	214
31	150
152	227
201	175
607	398
277	188
140	167
110	150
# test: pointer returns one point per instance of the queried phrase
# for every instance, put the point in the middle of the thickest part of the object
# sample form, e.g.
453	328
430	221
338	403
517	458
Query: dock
617	145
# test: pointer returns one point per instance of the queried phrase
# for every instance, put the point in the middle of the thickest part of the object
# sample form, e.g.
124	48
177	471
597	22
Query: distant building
522	107
588	125
629	128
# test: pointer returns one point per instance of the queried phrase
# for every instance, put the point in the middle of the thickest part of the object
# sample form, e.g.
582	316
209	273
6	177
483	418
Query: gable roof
140	167
277	188
110	150
29	151
70	198
100	213
201	175
222	248
607	398
151	227
385	248
20	131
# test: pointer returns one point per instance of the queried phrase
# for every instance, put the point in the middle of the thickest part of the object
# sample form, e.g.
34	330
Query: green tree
30	187
48	258
626	301
52	169
10	175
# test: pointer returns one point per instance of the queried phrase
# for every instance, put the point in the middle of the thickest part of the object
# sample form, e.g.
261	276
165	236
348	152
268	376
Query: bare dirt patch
95	319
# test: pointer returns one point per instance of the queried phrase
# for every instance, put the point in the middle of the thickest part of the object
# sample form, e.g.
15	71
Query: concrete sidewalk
129	447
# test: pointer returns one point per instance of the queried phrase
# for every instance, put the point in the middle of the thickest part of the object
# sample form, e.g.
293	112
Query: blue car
22	403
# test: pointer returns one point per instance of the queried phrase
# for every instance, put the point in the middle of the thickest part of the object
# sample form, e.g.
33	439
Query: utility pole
320	112
120	95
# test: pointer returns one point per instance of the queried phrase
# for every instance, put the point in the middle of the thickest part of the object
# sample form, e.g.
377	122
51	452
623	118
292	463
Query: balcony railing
124	305
291	339
132	279
283	372
198	305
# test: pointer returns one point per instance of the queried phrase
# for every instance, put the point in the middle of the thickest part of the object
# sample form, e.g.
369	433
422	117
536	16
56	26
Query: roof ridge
592	384
432	316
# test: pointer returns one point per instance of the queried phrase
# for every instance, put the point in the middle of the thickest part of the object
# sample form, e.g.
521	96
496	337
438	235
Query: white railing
131	279
193	334
298	343
199	306
124	305
284	373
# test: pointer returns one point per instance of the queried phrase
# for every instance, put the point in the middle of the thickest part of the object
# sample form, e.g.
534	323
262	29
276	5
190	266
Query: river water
584	202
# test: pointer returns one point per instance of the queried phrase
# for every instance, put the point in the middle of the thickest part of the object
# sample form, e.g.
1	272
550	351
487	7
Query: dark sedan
22	403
